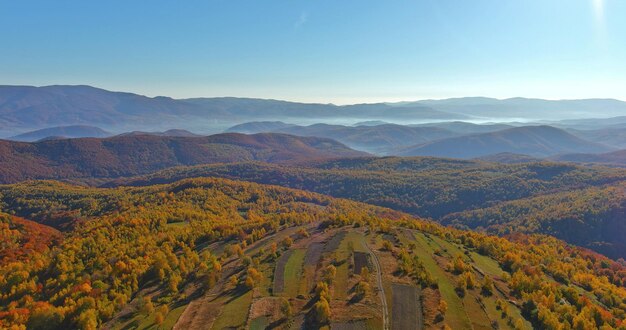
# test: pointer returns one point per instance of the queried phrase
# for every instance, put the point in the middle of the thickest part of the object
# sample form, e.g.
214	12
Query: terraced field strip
342	254
406	308
455	316
380	284
487	265
491	268
279	272
148	321
311	261
235	312
514	312
201	313
313	253
453	249
479	318
293	272
333	243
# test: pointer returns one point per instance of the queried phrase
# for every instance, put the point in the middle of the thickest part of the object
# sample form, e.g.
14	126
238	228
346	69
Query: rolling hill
509	158
431	187
140	154
380	139
259	127
426	187
463	128
536	141
215	253
614	137
169	132
615	158
591	218
77	131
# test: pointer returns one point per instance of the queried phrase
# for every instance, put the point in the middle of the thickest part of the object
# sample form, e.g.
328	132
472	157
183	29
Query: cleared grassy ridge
455	316
351	242
474	308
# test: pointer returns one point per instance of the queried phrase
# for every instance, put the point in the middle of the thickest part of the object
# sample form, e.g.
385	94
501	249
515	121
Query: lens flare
598	8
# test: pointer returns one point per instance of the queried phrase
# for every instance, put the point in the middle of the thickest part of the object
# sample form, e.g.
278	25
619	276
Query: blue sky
339	51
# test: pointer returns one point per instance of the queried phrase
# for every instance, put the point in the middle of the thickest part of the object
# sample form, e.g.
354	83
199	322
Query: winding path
379	278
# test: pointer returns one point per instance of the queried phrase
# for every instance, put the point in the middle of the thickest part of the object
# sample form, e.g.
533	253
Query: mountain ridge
535	141
134	154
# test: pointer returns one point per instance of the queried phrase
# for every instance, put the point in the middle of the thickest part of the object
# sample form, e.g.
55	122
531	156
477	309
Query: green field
235	312
455	316
356	240
293	272
140	321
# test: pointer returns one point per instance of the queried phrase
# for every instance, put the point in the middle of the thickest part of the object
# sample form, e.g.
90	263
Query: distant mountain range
140	154
27	108
525	108
536	141
24	108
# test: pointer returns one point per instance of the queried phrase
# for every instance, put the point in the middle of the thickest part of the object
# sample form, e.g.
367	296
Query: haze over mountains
27	108
537	141
449	139
455	128
294	214
75	131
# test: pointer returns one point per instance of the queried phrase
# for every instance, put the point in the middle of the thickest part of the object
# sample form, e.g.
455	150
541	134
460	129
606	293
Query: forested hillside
439	188
427	187
221	253
140	154
592	217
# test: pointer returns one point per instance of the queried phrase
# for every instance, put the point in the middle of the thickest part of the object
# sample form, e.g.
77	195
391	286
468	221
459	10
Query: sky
327	51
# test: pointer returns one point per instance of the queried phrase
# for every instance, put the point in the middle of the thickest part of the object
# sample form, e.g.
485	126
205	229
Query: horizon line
398	101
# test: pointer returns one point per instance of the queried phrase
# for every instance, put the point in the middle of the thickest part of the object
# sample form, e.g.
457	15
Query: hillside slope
615	158
427	187
536	141
592	218
223	254
380	139
77	131
140	154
